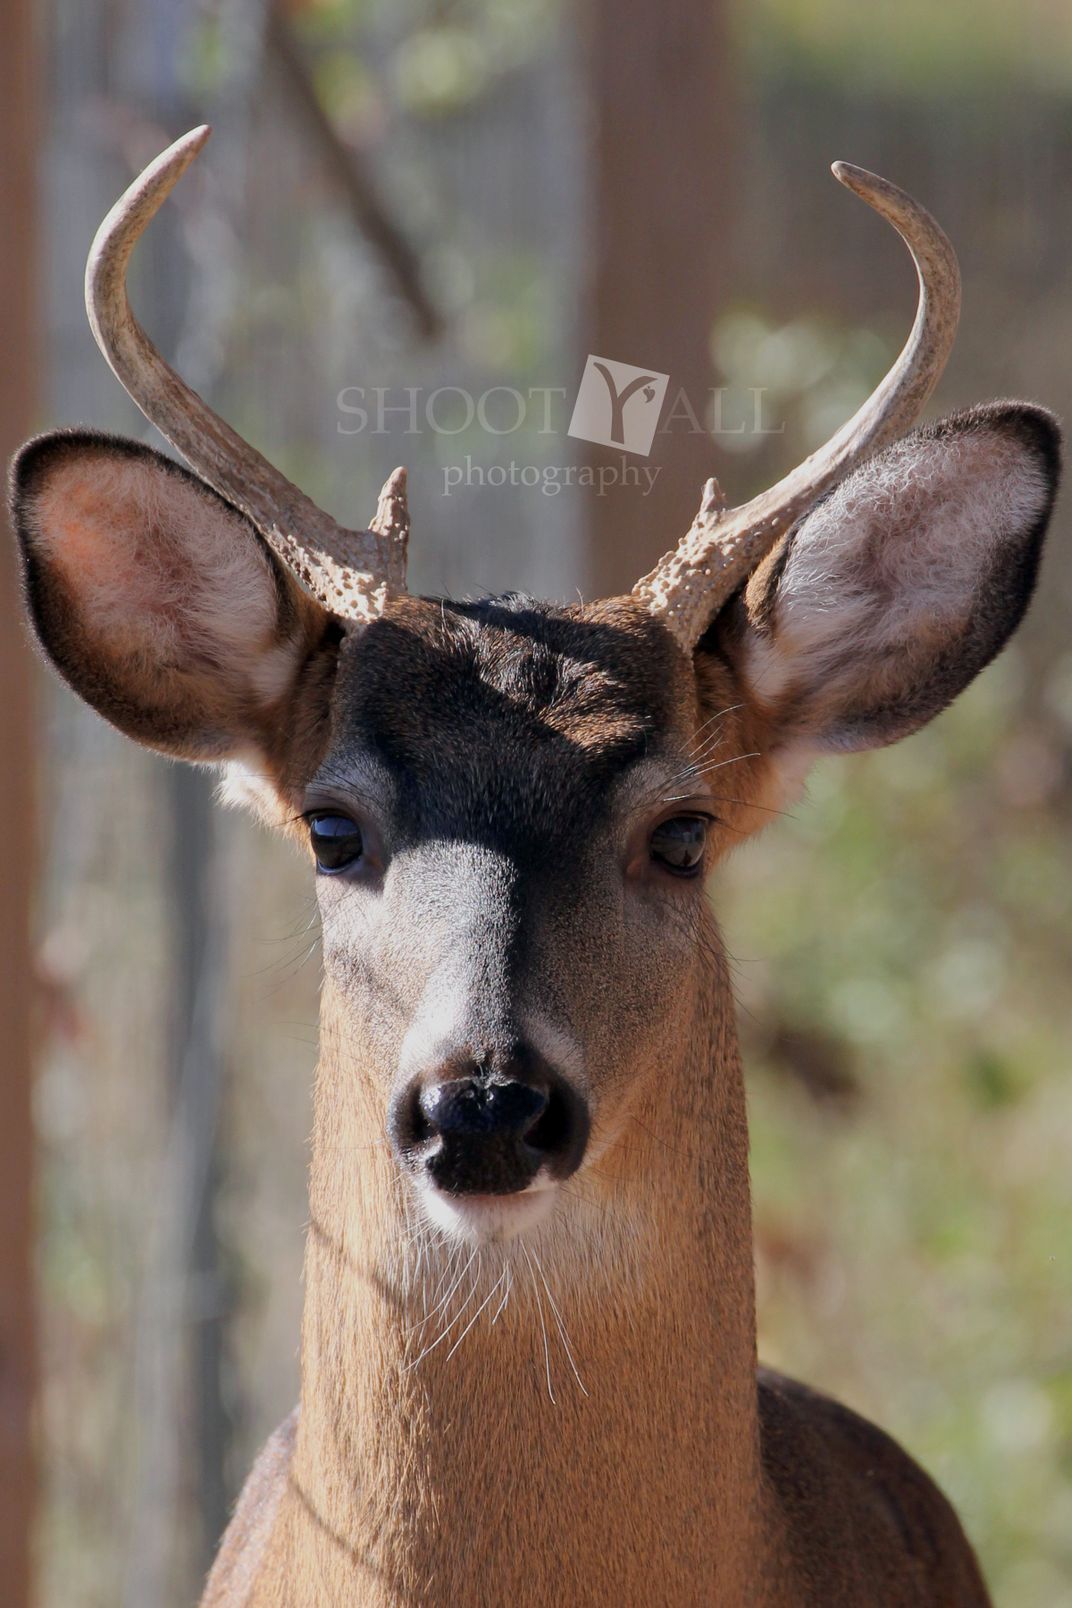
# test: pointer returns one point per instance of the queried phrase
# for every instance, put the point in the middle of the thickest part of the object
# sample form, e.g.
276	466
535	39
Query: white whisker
506	1294
442	1335
428	1316
730	709
476	1314
543	1325
707	769
563	1336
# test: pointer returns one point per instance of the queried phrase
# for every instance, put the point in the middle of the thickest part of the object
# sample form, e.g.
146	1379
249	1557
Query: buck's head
512	807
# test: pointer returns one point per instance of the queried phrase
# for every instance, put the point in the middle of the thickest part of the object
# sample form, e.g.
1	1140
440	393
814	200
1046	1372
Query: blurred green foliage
900	945
914	1248
443	59
915	45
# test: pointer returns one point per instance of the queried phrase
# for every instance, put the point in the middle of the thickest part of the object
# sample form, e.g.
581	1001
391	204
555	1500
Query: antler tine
350	572
689	585
391	518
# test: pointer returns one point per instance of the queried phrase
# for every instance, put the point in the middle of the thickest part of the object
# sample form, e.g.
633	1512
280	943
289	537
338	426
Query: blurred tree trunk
197	1057
18	385
659	96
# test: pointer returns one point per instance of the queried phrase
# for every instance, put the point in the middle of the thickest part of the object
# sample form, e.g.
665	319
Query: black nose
480	1128
469	1108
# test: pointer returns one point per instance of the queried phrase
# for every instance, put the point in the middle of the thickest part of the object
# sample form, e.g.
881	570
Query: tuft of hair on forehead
606	677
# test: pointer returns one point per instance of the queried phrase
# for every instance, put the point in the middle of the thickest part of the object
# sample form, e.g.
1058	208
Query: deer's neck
434	1457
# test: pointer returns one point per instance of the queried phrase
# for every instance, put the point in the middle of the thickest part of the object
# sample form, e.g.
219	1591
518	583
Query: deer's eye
678	844
336	840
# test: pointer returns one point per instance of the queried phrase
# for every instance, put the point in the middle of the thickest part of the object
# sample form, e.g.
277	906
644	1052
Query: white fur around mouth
484	1219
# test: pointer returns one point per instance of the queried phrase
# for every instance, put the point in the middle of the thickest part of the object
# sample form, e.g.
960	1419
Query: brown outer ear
915	681
201	719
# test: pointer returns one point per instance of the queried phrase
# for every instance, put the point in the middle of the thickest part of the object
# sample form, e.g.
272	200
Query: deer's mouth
486	1219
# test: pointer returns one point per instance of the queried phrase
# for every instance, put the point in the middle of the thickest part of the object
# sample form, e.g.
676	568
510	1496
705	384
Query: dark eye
678	844
336	841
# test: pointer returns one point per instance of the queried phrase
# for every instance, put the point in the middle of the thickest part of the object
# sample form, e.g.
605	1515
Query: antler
689	585
350	571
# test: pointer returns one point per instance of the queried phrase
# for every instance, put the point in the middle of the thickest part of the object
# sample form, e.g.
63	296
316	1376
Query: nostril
518	1106
420	1129
410	1125
551	1130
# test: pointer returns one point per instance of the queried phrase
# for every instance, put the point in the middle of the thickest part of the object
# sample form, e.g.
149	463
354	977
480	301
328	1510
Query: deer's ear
155	600
893	592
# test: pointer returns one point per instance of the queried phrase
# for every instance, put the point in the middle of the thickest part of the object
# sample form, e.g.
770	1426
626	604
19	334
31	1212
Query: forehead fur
456	696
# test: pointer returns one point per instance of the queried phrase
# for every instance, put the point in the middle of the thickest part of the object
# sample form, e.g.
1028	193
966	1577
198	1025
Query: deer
529	1370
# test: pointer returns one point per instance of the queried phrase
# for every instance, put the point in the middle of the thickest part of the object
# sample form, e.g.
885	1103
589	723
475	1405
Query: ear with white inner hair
159	603
894	591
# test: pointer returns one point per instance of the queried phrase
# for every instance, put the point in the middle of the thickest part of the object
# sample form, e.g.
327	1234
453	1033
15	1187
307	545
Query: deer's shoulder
245	1543
849	1493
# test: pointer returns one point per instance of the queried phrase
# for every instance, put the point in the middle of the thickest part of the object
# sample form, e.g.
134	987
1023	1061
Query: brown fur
698	1484
508	763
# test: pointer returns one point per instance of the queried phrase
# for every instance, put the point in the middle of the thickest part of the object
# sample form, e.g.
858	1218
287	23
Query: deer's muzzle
468	1127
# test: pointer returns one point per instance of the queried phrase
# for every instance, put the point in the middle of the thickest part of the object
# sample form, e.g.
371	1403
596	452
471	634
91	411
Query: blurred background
473	194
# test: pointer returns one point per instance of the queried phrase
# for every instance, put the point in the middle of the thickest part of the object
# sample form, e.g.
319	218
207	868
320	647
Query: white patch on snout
557	1047
437	1028
488	1219
441	1025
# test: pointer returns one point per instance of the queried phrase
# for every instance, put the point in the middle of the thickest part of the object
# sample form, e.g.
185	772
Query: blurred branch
346	169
